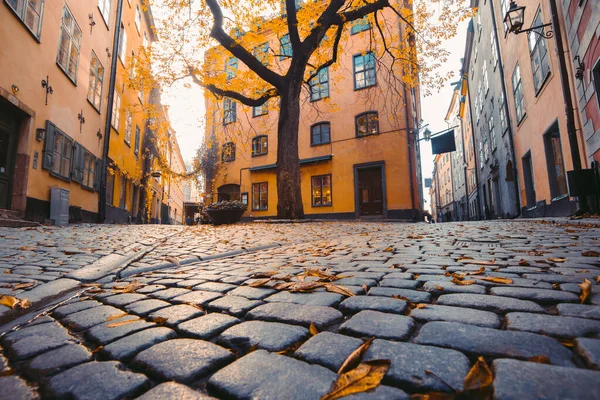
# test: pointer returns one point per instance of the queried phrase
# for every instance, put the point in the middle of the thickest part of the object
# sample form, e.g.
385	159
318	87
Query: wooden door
370	191
8	143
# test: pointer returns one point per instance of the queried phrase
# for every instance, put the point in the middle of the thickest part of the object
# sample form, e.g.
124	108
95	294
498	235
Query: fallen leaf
458	275
480	262
567	342
23	285
13	302
524	263
433	396
540	359
283	285
556	286
438	287
305	287
264	274
355	357
557	259
28	248
388	249
366	288
300	259
366	376
121	323
457	281
479	376
422	305
95	290
128	288
339	290
260	282
159	320
117	316
464	258
590	254
478	272
313	329
505	281
91	284
586	290
97	349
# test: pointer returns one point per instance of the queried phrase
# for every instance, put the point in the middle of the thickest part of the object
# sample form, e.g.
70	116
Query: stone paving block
477	341
120	300
103	381
579	310
128	346
449	287
48	289
57	360
182	360
516	282
438	278
589	350
310	299
328	349
77	306
14	387
176	314
574	287
103	334
89	318
198	298
251	293
563	327
3	363
272	336
456	314
380	325
409	362
36	340
515	380
170	293
174	391
296	314
490	303
215	287
150	289
235	305
381	392
355	304
145	307
555	278
168	282
263	375
539	295
400	283
356	282
189	283
412	295
207	326
399	275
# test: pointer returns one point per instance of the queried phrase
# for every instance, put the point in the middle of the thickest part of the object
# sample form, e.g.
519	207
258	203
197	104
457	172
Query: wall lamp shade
515	17
39	134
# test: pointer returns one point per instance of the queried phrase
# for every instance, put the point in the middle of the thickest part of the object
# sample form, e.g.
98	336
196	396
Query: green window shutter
78	158
48	153
97	174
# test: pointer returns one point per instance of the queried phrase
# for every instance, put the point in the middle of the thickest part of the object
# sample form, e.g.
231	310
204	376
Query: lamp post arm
545	34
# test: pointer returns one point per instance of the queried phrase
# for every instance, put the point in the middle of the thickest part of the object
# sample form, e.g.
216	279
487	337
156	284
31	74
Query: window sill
319	99
322	205
544	85
260	115
94	107
364	87
260	209
322	144
366	135
73	81
114	129
558	198
259	155
127	143
58	176
89	189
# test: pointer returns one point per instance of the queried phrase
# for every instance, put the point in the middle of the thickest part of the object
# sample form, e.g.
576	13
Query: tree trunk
289	204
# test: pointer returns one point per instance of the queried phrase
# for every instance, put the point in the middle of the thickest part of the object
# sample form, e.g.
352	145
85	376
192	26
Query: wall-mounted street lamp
46	85
515	18
81	119
579	69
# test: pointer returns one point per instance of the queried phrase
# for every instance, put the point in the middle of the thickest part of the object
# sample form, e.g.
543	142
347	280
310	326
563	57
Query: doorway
370	190
9	125
529	182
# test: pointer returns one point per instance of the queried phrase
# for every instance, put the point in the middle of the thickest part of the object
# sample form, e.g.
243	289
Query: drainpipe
506	112
410	166
462	139
109	105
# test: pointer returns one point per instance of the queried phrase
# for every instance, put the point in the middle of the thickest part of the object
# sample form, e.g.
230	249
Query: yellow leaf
494	279
366	376
355	357
313	329
586	290
28	248
339	289
91	284
462	282
265	274
479	376
366	288
388	249
97	349
117	316
128	288
260	282
159	320
13	302
567	343
464	258
590	254
557	259
540	359
23	285
438	287
422	305
478	272
524	263
121	323
172	260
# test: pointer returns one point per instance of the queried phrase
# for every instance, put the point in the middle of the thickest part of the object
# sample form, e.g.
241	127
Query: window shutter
76	163
48	156
97	174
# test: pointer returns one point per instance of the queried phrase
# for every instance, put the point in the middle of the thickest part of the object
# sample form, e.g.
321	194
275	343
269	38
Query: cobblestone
355	304
207	326
174	391
57	360
380	325
328	349
128	346
589	350
300	315
108	332
562	327
14	387
490	303
456	314
174	315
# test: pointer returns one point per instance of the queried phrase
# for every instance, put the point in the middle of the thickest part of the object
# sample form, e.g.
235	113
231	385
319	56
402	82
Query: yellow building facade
357	148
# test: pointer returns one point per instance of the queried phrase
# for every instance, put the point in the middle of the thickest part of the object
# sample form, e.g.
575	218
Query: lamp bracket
546	34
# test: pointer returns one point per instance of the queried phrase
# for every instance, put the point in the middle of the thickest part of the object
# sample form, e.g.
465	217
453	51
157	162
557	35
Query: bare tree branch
334	56
292	21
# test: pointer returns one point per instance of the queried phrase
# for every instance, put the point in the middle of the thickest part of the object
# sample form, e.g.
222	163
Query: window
116	110
260	193
501	105
504	8
518	94
136	147
540	63
138	18
556	166
123	193
494	50
145	42
30	12
596	78
229	111
367	124
69	45
321	190
104	6
260	145
319	85
486	82
89	170
122	44
260	110
286	47
94	94
320	133
128	124
364	70
360	25
228	152
261	53
231	66
110	188
58	150
492	132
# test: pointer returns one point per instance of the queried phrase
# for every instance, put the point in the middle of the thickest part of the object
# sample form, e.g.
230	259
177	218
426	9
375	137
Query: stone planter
220	217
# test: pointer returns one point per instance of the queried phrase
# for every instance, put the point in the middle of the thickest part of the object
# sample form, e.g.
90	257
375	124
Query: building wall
389	147
582	25
445	196
543	108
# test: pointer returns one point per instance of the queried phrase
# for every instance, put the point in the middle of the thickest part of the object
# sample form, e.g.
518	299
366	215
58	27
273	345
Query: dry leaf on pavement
339	289
13	302
478	272
540	359
313	329
264	274
128	288
117	316
557	259
590	254
260	282
121	323
355	357
505	281
159	320
524	263
173	260
479	376
586	290
366	376
23	285
388	249
458	281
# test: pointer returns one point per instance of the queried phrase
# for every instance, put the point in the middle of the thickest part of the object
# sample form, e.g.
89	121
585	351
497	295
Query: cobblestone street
272	311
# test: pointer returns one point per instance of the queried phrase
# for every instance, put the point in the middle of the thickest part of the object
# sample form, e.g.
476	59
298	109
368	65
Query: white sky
186	109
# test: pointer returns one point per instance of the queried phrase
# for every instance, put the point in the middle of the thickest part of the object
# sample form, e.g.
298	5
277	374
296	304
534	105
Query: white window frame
94	94
73	44
116	109
104	7
23	10
138	19
123	44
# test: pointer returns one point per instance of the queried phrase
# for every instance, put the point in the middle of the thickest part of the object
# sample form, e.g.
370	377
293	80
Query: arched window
320	133
260	145
367	124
